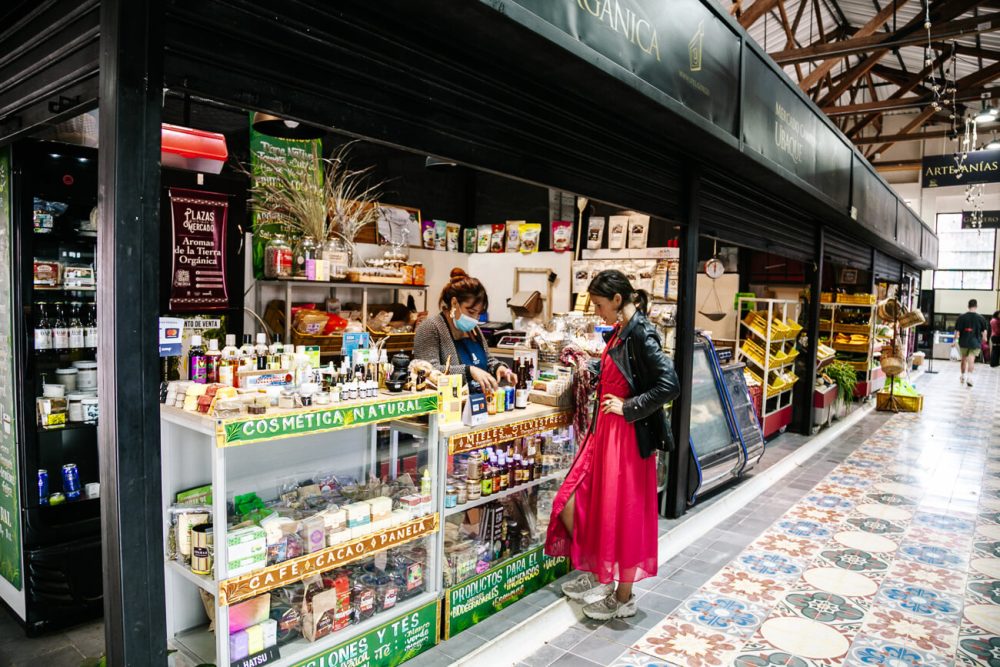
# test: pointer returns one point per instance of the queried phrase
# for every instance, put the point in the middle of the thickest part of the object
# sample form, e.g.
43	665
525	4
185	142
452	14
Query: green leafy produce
846	378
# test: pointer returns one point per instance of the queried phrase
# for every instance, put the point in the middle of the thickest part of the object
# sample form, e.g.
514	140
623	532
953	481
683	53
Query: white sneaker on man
587	589
968	380
961	378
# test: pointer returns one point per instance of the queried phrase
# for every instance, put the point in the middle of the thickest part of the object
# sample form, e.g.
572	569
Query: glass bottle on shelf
278	258
75	325
90	326
60	330
43	328
306	249
337	253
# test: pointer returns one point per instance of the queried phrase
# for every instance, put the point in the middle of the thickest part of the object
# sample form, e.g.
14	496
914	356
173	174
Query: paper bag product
638	231
452	232
427	234
440	235
531	233
470	234
319	621
498	232
595	232
562	235
483	238
514	235
617	231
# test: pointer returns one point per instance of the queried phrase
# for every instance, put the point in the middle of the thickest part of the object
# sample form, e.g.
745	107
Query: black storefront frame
131	66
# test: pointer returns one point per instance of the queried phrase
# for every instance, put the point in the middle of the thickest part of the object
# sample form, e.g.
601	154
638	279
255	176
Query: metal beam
917	122
904	88
965	50
897	165
128	260
867	29
862	43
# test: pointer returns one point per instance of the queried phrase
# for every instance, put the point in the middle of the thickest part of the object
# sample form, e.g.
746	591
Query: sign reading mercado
938	171
680	47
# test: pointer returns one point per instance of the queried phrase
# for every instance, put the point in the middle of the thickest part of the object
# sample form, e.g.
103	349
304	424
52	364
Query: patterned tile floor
883	550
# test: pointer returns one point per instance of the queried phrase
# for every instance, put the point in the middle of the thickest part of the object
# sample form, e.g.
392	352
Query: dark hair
973	303
996	315
465	288
608	283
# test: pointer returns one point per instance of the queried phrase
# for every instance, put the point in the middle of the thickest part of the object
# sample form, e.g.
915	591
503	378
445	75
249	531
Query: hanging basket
889	310
914	318
892	361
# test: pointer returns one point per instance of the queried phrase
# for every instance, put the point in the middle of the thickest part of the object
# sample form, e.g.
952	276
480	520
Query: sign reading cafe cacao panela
680	47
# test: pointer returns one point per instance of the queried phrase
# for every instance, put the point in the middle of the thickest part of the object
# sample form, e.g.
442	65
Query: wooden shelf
302	282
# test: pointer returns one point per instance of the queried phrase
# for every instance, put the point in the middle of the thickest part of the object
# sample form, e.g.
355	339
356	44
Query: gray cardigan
433	342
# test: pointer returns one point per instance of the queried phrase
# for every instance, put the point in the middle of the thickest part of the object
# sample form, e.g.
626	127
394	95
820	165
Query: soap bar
360	531
270	630
355	511
255	639
239	645
400	516
314	533
334	519
338	536
381	507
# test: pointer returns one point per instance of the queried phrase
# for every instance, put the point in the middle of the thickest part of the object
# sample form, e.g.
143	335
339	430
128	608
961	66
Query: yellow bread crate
896	403
794	329
754	351
860	348
852	328
856	299
757	323
826	297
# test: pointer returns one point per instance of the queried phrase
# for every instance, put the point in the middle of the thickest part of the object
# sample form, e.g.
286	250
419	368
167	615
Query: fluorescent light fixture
994	144
987	115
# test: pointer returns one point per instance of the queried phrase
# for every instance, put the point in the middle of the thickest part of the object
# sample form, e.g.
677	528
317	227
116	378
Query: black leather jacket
653	382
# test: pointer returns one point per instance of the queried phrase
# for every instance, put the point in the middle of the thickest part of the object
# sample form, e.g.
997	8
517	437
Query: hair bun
458	274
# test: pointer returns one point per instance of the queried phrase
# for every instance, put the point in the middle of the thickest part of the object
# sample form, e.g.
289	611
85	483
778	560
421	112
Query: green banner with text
475	600
387	646
10	508
246	430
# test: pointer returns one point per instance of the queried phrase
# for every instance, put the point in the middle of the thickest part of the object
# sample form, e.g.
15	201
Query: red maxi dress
615	523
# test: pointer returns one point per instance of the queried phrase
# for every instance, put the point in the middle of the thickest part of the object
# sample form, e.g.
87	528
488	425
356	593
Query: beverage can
71	481
509	396
43	486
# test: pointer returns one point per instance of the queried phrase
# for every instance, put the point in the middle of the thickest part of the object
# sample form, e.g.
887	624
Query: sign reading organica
624	21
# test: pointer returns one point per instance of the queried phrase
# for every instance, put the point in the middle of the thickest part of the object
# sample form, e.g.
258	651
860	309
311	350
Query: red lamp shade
192	150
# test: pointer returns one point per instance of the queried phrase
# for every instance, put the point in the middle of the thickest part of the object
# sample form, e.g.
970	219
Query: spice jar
306	249
462	494
450	496
278	258
472	490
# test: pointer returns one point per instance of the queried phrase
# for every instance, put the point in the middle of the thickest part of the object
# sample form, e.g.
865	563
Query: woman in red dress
604	516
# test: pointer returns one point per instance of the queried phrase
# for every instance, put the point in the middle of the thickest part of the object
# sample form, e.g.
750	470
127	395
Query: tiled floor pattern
892	559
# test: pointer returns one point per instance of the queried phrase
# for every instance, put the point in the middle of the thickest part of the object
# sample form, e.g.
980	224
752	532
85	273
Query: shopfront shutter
847	250
887	268
733	212
48	71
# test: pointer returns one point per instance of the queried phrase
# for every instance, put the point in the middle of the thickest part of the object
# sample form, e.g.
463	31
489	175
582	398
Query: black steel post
675	499
128	260
807	382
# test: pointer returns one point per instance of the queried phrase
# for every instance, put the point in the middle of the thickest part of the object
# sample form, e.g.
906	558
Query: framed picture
399	225
848	276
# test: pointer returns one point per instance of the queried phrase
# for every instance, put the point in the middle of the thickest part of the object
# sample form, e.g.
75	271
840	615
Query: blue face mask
464	323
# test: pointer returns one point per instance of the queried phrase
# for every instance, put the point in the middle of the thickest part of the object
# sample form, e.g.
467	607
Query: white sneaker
968	381
586	589
961	378
610	607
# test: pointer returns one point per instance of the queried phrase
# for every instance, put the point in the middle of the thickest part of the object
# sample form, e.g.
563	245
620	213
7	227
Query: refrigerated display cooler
725	436
50	524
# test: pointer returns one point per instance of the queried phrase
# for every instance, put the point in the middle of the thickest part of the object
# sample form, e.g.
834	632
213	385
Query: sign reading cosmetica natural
386	646
679	47
253	429
474	600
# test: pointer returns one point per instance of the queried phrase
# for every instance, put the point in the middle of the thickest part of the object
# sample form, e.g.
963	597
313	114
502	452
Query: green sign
10	509
255	429
475	600
392	644
287	156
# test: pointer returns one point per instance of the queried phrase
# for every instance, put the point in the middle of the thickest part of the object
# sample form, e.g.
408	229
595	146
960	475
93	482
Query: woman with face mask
454	334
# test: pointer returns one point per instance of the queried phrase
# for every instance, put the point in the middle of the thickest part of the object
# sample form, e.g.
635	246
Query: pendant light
274	126
987	115
994	143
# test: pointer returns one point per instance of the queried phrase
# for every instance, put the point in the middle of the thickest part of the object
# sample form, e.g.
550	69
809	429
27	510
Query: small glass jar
473	490
337	253
277	258
462	494
450	496
306	249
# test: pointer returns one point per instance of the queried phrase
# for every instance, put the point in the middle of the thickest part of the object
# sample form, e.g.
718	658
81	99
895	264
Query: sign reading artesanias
302	422
938	171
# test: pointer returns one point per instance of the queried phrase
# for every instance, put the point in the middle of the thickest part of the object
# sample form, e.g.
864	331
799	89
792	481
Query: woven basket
892	361
914	318
889	310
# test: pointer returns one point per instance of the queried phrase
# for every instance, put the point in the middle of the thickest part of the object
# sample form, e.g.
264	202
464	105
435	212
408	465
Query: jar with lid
337	252
278	258
450	496
306	249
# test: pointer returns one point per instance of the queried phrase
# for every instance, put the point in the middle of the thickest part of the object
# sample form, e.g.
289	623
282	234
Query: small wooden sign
479	438
267	579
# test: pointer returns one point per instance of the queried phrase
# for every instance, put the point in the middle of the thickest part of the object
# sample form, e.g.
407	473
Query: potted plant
846	378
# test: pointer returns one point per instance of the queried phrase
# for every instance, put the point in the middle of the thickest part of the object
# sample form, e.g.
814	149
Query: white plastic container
87	377
90	409
75	406
68	378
